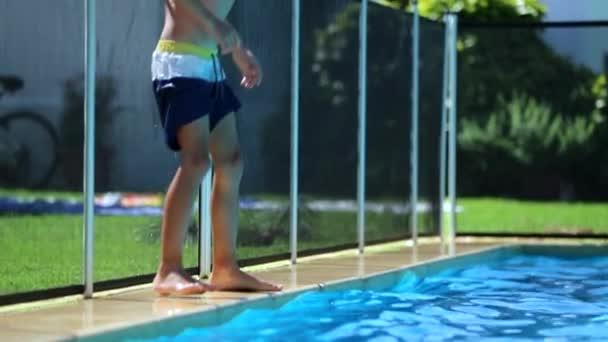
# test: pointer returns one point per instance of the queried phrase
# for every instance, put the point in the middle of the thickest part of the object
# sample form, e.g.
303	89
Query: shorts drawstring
219	86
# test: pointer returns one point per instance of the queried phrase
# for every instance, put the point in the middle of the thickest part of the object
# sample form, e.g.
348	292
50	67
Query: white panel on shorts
168	65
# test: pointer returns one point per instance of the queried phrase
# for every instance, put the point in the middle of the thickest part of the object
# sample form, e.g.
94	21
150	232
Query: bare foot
237	280
178	282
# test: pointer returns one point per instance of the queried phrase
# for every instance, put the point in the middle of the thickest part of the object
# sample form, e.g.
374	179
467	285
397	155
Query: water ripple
518	299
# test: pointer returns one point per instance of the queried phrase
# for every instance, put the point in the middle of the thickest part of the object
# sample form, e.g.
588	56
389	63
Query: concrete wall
42	42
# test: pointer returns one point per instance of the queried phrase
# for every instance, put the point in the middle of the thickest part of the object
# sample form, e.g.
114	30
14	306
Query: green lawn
46	251
490	215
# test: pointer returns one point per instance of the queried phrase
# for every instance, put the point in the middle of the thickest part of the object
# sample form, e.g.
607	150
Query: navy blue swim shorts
189	83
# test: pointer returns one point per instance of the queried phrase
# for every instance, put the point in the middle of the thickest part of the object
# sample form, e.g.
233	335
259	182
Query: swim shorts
189	83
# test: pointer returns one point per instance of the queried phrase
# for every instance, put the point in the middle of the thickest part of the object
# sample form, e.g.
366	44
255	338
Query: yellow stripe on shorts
185	48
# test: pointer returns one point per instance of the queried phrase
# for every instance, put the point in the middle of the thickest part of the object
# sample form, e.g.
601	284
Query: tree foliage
476	10
526	111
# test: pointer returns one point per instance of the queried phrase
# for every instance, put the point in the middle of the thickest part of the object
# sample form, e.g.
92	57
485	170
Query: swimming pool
518	293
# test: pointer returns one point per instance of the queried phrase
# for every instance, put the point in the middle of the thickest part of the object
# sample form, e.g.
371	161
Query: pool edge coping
220	311
53	302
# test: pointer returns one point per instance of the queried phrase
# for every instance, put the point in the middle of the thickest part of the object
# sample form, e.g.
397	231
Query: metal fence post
414	132
361	171
443	130
295	117
453	23
89	144
205	225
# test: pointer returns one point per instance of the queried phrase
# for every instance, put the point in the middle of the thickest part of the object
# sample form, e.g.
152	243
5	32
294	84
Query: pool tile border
222	313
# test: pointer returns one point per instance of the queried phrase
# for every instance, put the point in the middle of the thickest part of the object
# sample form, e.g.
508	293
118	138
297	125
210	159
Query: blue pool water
522	298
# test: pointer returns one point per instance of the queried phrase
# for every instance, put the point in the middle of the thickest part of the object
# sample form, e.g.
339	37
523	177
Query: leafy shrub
525	149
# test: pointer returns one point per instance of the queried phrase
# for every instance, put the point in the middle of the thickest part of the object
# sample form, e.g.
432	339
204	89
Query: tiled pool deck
71	317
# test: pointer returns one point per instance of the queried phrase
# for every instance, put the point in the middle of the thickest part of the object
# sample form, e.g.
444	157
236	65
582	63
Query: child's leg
228	169
171	277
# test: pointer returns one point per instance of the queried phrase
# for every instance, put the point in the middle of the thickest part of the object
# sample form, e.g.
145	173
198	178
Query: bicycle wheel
38	153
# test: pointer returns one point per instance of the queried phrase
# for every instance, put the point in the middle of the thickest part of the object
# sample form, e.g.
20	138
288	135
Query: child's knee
196	162
229	163
235	160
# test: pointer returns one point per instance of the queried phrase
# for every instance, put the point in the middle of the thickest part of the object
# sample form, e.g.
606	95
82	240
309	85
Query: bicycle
28	144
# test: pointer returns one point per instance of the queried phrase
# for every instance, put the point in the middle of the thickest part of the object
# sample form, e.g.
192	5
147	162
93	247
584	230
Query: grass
41	252
490	215
46	251
41	194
